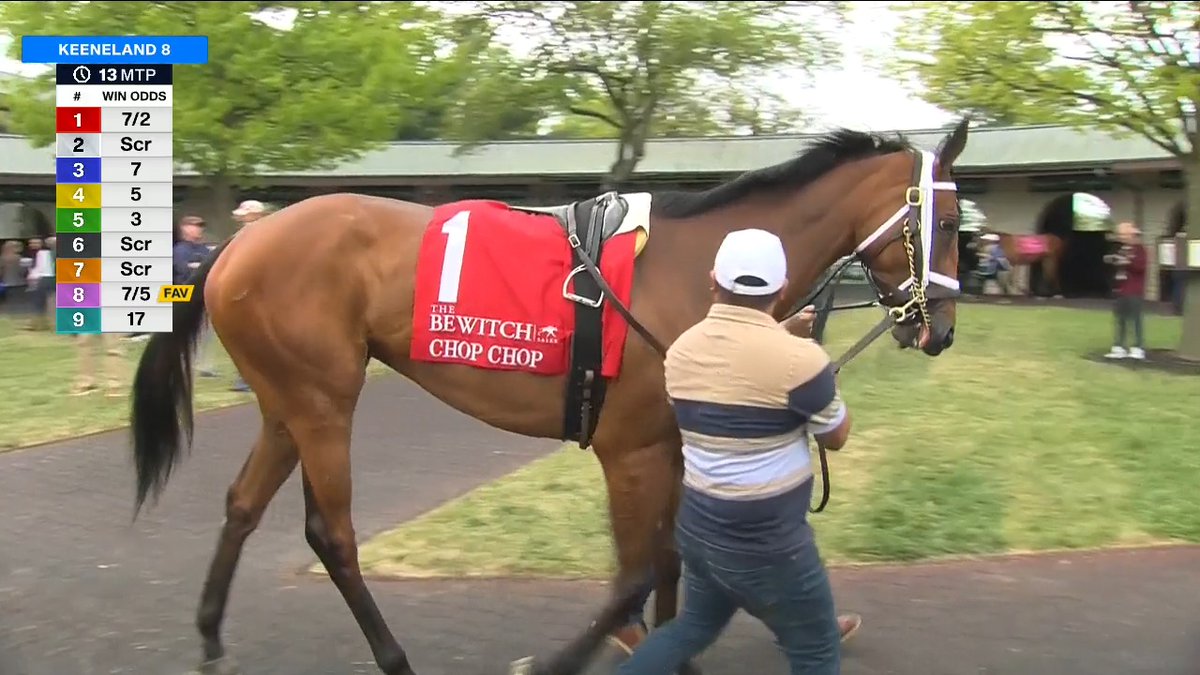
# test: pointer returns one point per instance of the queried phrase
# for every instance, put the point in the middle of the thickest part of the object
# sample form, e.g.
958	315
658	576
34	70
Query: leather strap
585	386
594	272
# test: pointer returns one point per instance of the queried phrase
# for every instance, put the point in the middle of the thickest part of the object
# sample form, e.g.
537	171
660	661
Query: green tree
730	111
476	89
1130	68
5	110
643	68
325	89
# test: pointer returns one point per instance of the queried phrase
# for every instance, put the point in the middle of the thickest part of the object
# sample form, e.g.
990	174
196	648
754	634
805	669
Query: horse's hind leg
325	457
641	492
268	466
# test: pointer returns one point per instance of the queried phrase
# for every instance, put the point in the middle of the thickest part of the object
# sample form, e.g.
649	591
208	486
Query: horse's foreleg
325	454
668	567
268	466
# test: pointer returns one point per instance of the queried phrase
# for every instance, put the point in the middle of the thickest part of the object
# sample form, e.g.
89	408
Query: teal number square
77	321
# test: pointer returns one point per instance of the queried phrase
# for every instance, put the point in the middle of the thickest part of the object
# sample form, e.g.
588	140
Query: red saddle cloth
489	291
1031	244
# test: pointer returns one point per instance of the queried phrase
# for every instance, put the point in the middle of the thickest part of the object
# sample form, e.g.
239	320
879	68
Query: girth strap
585	385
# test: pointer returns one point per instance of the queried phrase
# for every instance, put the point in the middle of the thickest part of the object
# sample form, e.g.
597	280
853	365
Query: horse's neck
812	250
814	237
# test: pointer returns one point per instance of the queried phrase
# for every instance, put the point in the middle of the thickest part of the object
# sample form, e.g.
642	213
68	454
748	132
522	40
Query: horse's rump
1031	245
489	290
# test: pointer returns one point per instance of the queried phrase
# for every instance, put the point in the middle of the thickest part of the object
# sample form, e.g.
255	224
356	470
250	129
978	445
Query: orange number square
71	271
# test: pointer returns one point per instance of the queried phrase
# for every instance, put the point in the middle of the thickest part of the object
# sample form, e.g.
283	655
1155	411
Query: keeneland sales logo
471	338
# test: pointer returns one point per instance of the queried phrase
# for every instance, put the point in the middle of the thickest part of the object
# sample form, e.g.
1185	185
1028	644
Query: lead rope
818	333
890	317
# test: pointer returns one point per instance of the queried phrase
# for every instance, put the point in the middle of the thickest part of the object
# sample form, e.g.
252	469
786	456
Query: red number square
77	120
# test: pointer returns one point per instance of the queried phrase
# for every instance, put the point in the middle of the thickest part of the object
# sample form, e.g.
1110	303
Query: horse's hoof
523	666
222	666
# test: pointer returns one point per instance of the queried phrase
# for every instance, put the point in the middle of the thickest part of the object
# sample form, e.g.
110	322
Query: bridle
911	297
910	300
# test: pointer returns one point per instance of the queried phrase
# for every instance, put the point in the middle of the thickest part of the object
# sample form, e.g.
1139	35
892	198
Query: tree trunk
630	151
221	203
1189	342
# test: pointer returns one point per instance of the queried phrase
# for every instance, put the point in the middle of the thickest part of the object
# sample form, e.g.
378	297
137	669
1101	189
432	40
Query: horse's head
893	206
909	242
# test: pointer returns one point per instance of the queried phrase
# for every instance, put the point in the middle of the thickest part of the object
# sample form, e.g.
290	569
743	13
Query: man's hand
801	324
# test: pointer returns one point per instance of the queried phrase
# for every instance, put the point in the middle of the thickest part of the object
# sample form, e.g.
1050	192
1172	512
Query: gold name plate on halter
180	293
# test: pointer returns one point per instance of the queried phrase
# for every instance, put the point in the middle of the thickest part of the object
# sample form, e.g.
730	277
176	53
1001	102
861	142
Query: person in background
994	265
12	273
42	284
31	247
247	212
1130	277
189	251
746	394
29	257
106	350
1179	276
100	361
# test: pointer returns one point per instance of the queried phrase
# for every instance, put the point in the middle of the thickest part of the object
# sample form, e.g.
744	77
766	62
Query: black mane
821	156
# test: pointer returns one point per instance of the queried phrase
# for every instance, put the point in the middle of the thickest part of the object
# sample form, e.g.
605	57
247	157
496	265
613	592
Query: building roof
989	150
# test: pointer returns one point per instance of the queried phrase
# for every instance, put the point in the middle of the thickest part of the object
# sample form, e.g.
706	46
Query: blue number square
77	170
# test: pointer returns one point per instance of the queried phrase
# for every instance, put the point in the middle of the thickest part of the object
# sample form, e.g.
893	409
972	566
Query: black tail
162	391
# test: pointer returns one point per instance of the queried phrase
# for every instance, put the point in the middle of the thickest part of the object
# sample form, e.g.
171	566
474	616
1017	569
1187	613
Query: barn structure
1020	179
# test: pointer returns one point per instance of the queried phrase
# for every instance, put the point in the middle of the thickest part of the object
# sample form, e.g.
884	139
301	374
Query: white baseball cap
249	206
751	253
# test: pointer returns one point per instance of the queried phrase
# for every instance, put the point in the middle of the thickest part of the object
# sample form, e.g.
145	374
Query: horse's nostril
949	337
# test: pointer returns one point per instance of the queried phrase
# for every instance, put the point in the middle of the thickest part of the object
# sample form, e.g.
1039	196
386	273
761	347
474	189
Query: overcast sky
854	96
857	95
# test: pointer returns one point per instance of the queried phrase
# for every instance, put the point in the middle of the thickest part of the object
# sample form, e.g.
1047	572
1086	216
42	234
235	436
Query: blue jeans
789	593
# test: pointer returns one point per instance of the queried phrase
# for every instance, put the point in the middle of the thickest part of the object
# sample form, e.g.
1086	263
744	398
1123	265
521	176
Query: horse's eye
948	224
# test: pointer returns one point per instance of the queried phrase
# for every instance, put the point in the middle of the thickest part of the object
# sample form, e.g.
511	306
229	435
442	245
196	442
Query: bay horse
301	327
1026	250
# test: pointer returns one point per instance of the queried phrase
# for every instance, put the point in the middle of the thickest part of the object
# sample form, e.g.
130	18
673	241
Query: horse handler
746	394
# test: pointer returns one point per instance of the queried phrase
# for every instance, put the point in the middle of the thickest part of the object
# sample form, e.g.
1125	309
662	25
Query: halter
918	210
914	292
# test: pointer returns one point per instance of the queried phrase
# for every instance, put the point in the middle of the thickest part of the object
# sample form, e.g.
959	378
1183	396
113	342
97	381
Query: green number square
76	220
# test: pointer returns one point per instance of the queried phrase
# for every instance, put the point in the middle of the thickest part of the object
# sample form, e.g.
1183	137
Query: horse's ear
952	146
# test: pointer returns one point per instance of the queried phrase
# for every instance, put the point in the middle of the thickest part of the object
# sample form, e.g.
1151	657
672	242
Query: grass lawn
1010	441
37	370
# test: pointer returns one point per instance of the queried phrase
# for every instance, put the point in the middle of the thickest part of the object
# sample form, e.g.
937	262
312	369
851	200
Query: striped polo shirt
746	393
